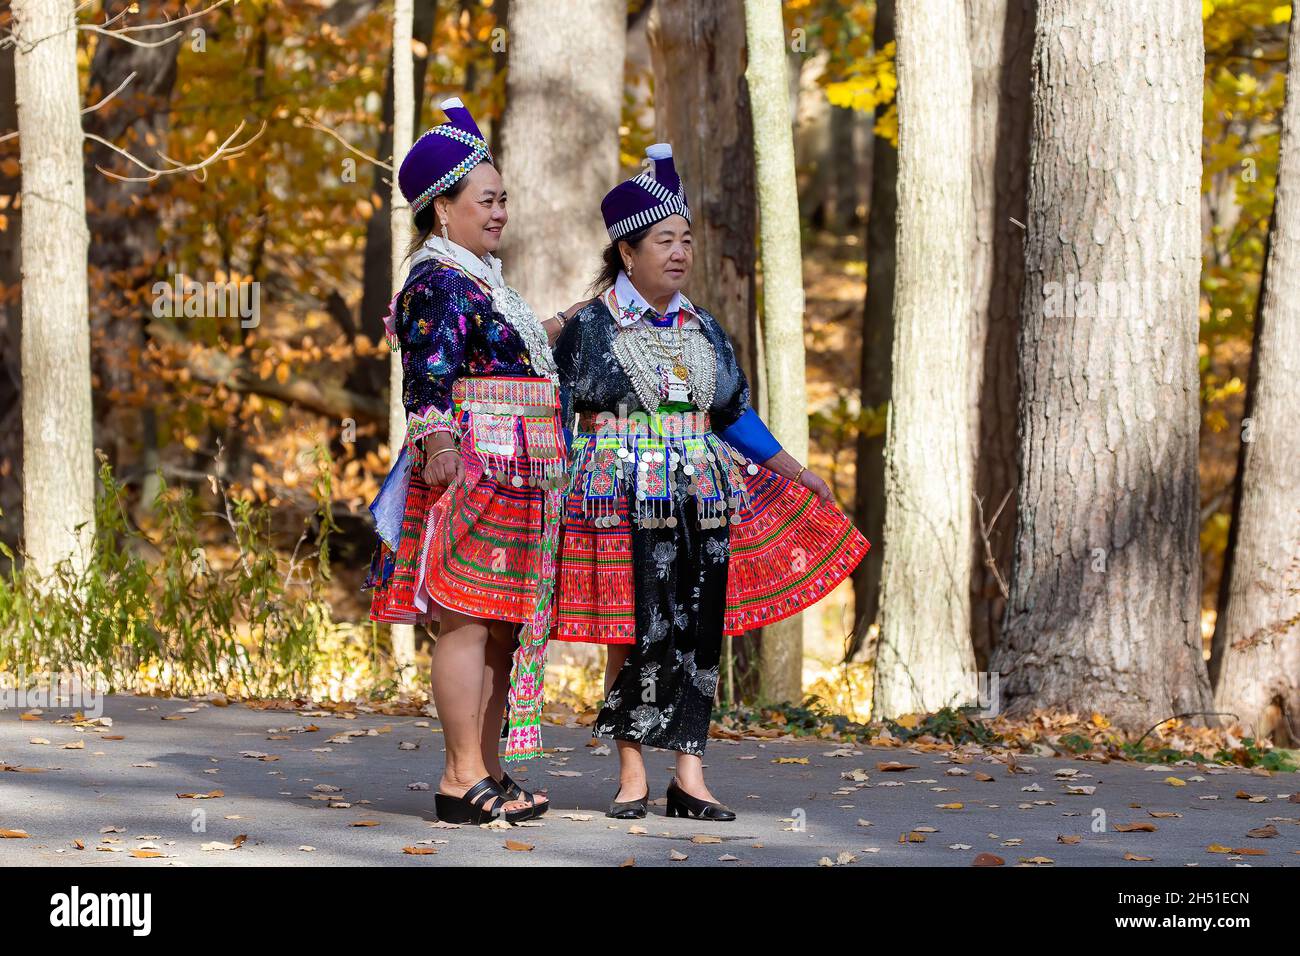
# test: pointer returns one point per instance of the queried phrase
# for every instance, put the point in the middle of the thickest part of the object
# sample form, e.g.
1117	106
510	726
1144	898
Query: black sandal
513	791
471	808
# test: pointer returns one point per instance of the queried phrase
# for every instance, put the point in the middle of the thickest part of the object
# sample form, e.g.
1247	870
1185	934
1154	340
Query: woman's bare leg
631	767
496	689
459	657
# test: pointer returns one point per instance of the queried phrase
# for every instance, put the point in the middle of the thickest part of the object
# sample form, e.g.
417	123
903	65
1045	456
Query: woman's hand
813	482
442	470
554	326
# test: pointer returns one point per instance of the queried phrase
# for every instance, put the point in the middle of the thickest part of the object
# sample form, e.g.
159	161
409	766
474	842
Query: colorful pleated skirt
477	546
787	549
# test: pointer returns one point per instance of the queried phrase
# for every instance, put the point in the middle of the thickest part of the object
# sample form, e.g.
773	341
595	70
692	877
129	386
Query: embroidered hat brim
646	199
442	156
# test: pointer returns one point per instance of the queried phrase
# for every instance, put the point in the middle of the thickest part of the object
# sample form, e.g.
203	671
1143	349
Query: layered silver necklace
684	357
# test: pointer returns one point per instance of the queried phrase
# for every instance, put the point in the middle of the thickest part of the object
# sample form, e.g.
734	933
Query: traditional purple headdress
646	199
441	156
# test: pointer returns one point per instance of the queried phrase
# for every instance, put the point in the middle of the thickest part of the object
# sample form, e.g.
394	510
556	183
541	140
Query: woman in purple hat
684	520
468	519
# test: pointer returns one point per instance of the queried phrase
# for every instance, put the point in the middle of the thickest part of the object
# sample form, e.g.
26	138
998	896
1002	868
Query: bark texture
924	660
1104	606
1259	677
58	459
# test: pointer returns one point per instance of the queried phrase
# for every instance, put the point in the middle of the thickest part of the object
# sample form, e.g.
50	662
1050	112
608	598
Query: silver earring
444	231
627	267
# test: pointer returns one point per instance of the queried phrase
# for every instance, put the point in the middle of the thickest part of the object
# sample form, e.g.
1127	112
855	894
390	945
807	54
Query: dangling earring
444	232
627	267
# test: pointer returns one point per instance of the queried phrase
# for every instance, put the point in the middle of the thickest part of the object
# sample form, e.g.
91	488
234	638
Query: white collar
631	305
486	268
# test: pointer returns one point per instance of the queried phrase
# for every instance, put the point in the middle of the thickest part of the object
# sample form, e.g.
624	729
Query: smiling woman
468	519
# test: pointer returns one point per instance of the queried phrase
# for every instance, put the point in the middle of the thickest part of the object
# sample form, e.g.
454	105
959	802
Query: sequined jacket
448	330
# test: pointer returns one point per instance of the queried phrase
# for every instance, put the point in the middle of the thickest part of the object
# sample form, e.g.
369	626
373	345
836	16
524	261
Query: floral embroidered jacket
448	330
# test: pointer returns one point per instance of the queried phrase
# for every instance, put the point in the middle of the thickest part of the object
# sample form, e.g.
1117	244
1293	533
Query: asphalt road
119	796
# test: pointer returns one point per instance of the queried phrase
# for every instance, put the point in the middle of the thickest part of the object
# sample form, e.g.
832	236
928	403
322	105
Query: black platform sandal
682	804
471	808
628	809
513	791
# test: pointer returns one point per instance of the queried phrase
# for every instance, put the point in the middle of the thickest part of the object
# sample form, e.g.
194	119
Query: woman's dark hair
426	218
611	263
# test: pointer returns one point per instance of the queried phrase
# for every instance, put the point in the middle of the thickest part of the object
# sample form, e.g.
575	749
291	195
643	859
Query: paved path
790	814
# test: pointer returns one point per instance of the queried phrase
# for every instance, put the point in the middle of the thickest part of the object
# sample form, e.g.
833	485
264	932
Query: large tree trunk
402	635
564	98
876	368
924	660
58	459
1105	585
697	49
701	100
781	654
1259	678
1001	36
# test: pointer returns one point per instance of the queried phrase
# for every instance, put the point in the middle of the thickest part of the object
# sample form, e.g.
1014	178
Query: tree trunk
924	660
11	303
1105	584
564	99
1001	36
1260	671
781	654
697	49
371	374
58	459
876	370
402	635
701	106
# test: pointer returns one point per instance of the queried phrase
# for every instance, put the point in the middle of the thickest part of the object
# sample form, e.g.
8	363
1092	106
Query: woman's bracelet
442	451
802	469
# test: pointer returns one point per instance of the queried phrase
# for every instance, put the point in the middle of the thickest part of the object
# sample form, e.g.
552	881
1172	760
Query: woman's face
661	264
477	215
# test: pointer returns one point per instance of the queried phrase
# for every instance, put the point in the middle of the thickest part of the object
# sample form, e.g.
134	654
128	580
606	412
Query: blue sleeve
751	437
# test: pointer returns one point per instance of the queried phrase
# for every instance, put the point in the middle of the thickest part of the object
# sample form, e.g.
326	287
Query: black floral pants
663	695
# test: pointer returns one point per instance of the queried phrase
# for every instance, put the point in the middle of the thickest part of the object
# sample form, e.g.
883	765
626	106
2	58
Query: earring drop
627	267
444	231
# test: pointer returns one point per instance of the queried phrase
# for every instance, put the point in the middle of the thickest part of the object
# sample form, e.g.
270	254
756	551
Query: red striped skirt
788	548
477	546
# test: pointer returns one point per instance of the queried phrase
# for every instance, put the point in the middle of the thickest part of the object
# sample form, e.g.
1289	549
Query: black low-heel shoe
682	804
628	809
